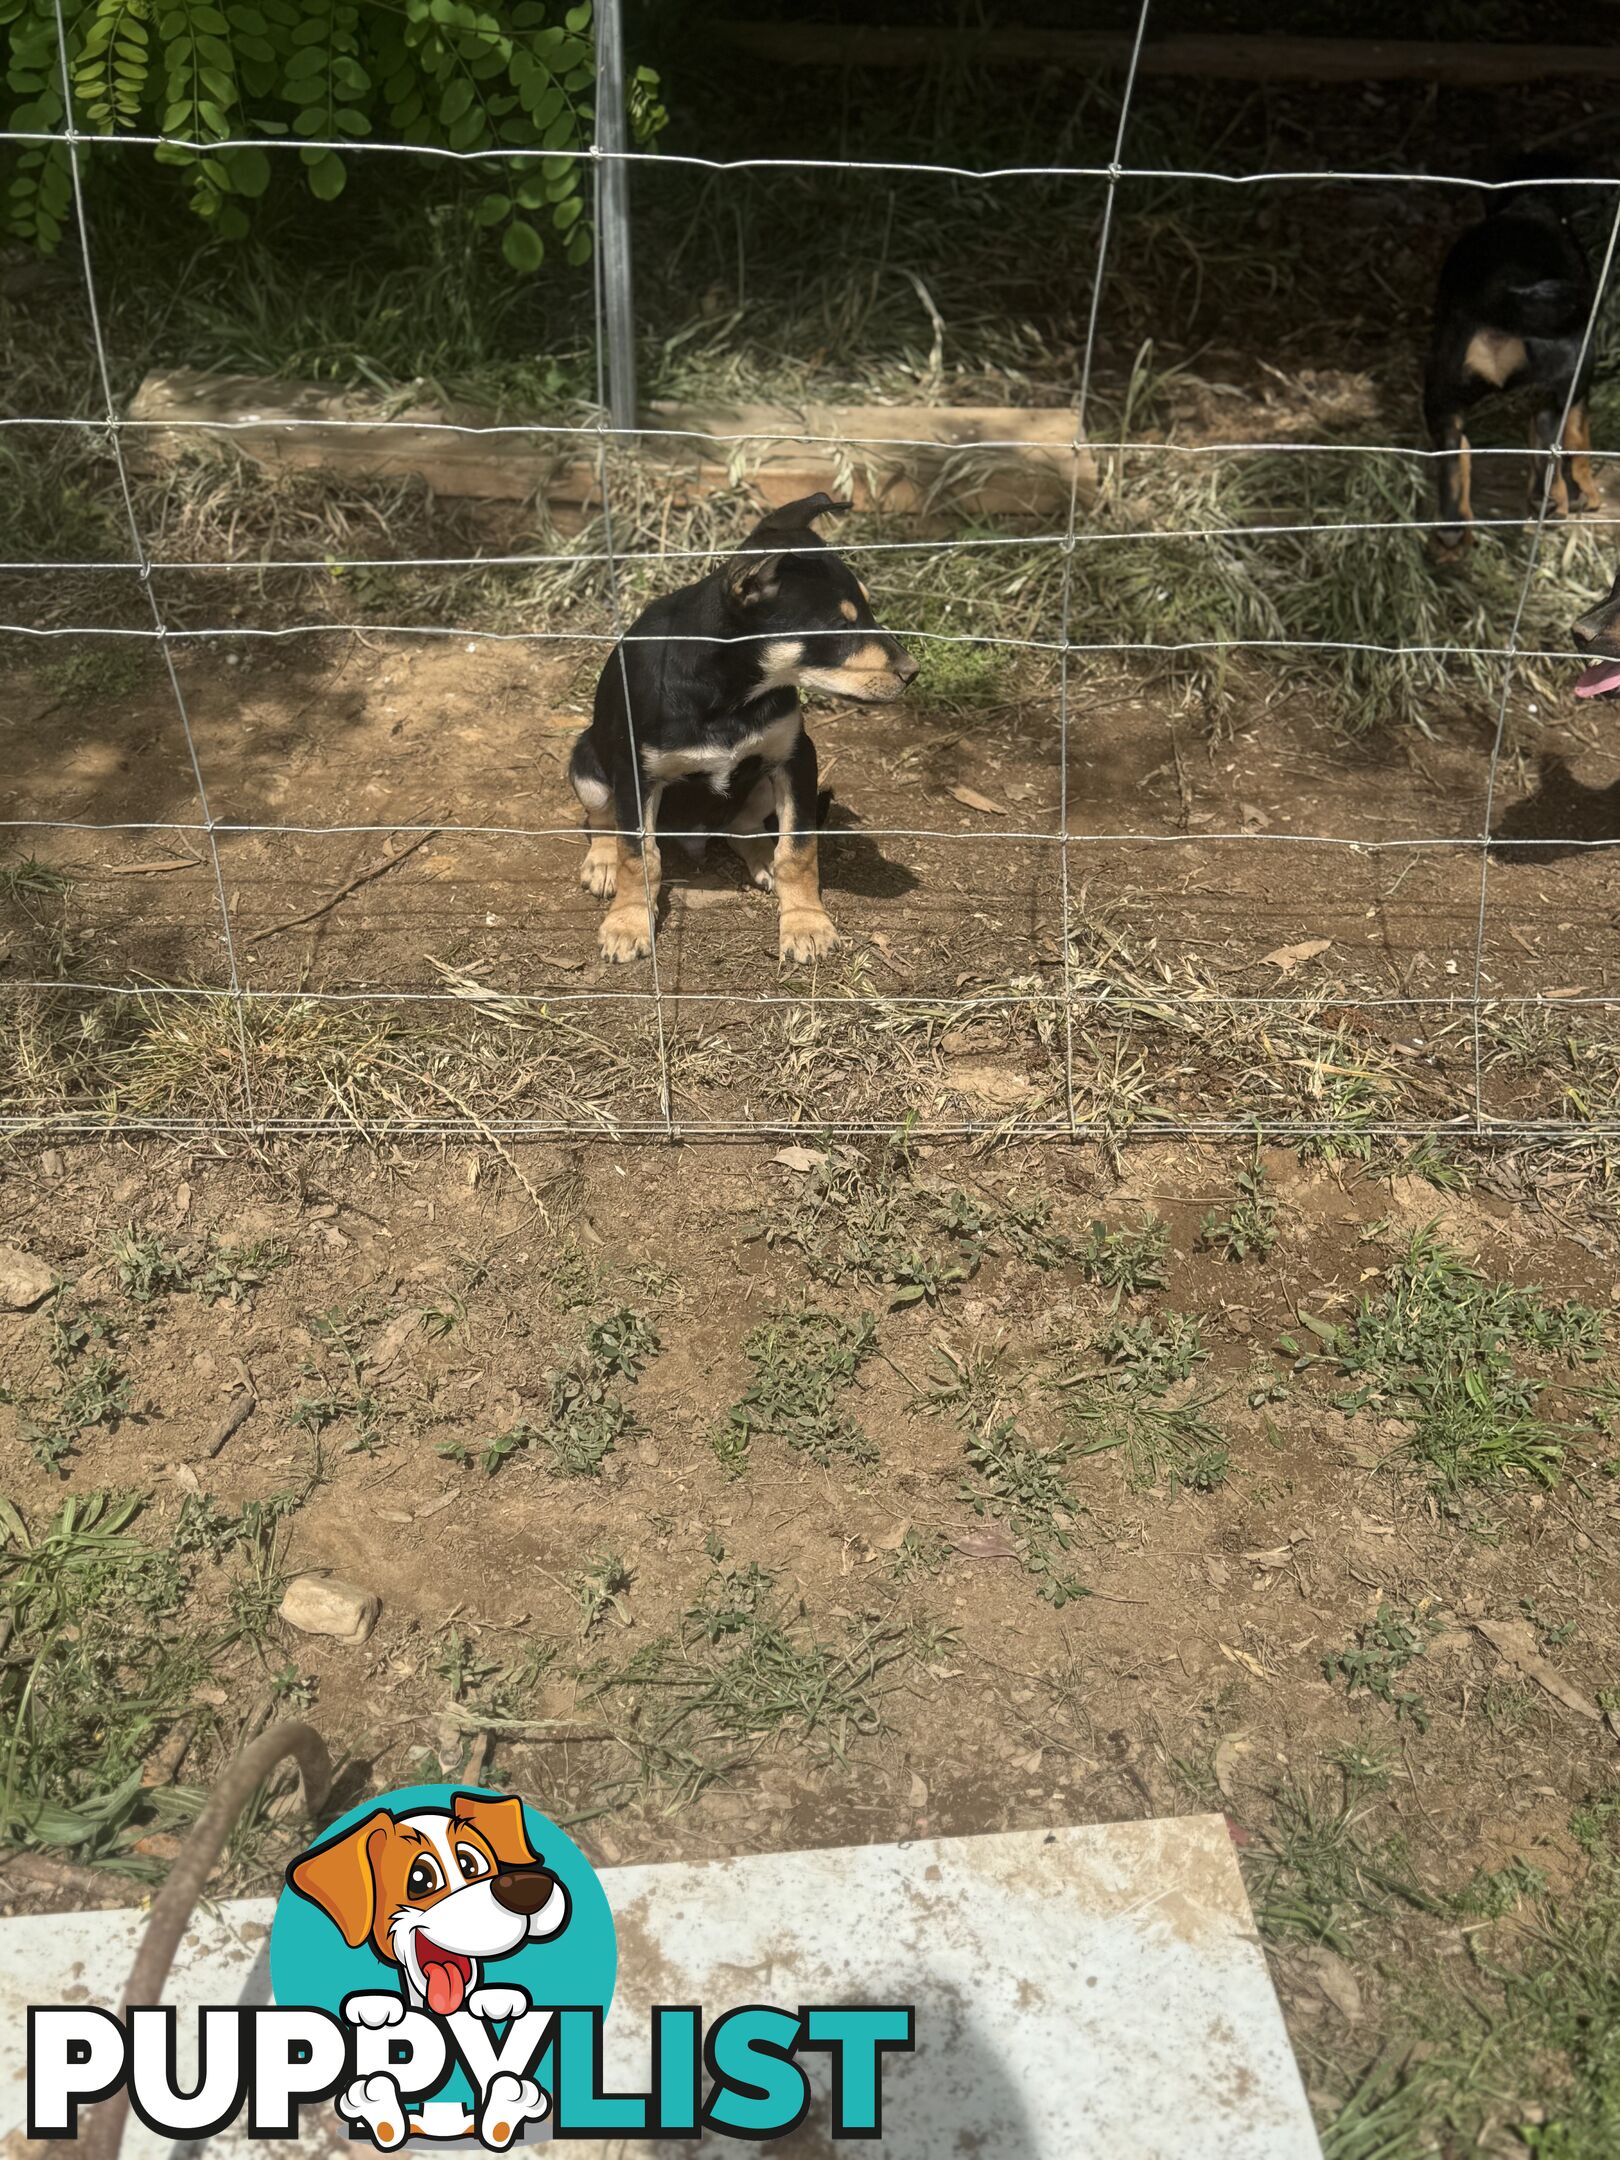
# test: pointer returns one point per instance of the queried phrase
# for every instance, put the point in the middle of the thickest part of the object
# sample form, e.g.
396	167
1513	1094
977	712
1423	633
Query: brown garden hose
172	1907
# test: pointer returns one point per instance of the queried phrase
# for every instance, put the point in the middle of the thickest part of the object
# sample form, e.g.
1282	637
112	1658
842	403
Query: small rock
24	1281
323	1605
50	1163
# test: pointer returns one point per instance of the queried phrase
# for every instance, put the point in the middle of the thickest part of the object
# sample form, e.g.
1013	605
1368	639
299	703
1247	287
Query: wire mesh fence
1082	1030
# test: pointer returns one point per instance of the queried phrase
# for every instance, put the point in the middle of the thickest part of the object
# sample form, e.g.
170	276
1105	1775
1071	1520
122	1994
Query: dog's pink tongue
1601	677
445	1988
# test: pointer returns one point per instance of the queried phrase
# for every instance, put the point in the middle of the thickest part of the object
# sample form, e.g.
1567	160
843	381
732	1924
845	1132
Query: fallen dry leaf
986	1545
1288	957
1515	1640
1336	1980
1249	1664
976	801
799	1158
393	1340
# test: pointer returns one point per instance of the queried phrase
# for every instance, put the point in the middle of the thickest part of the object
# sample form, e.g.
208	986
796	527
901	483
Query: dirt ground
1150	1633
944	874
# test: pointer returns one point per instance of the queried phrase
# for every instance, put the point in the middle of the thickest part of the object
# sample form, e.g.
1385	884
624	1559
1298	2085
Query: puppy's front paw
376	2102
599	873
496	2004
508	2105
806	934
374	2011
626	934
1449	543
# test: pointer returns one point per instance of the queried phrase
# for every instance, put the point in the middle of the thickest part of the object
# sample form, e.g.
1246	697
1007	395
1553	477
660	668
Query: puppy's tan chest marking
1495	356
717	761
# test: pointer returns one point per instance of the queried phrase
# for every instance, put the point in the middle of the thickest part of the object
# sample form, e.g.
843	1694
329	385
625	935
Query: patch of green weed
1442	1346
1384	1648
803	1363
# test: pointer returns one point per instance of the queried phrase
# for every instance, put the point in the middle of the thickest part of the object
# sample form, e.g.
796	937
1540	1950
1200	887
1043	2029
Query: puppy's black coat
1514	298
697	729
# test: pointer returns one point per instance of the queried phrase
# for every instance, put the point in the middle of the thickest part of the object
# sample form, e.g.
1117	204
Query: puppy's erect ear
752	577
339	1878
499	1823
797	516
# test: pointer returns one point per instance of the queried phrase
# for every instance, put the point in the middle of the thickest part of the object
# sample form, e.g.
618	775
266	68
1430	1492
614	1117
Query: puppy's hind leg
1582	482
747	836
600	869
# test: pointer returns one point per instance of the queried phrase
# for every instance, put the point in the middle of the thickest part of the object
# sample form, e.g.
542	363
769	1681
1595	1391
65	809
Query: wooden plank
946	461
1232	58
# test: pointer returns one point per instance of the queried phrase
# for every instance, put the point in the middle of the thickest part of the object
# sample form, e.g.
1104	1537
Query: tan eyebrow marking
849	611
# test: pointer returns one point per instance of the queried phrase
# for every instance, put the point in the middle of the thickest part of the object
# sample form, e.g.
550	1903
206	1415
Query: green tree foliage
445	74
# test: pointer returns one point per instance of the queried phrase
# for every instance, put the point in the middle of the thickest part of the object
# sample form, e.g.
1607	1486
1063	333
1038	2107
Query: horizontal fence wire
1082	989
517	153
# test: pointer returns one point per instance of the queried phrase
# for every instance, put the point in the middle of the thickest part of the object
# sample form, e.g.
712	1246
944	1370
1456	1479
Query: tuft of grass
803	1363
101	1665
585	1418
145	1267
1248	1229
1125	1261
601	1588
344	1336
1022	1485
1444	1347
1139	1404
746	1673
1384	1648
1319	1876
90	1389
858	1218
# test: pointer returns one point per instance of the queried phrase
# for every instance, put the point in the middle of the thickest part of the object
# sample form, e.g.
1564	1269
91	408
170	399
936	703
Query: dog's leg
805	928
1455	510
1548	470
1582	481
590	783
627	927
747	836
599	873
376	2101
509	2103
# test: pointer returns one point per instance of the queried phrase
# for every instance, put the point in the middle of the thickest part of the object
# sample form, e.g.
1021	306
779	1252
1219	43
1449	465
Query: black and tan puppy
697	728
1511	312
1598	633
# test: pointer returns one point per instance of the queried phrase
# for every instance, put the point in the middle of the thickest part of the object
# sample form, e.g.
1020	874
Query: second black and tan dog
697	728
1511	312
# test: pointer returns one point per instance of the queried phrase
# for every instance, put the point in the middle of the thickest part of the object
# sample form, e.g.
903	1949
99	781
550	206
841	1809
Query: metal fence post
613	225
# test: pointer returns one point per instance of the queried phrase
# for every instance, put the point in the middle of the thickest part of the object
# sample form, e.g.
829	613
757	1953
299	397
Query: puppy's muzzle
1595	632
522	1890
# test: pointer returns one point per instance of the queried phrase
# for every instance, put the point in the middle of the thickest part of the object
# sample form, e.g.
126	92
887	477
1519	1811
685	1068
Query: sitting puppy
1514	300
702	696
1598	633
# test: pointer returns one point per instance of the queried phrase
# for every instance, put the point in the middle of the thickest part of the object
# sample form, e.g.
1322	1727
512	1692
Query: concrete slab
1081	1994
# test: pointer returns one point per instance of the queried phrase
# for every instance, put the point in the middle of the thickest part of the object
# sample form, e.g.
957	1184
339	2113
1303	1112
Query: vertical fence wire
1554	460
70	137
607	30
1066	602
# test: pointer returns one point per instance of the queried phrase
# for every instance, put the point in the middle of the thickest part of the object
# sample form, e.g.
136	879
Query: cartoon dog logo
438	1894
